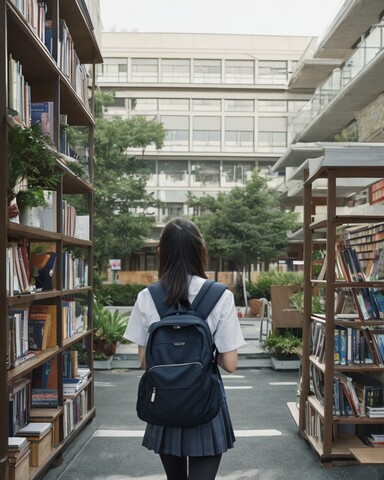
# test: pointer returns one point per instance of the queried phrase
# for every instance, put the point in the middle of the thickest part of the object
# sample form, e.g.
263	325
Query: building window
239	132
295	106
144	70
171	210
207	71
113	70
272	132
239	105
174	104
240	71
177	127
144	104
236	173
147	168
206	105
271	71
175	71
272	105
206	133
173	172
205	174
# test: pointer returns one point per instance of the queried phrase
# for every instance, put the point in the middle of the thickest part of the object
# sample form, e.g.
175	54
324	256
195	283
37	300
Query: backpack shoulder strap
158	293
209	294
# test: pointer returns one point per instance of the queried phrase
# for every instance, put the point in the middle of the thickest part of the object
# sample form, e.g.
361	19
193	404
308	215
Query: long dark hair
182	252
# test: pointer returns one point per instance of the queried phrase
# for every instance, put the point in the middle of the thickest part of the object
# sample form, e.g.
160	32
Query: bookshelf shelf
37	65
29	365
334	382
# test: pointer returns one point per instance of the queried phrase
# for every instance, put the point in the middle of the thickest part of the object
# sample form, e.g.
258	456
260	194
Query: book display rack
341	389
47	63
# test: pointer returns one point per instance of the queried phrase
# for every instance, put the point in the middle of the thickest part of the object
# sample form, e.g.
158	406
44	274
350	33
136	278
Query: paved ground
267	447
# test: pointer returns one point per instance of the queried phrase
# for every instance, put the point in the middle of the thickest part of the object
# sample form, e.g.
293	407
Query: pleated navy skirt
211	438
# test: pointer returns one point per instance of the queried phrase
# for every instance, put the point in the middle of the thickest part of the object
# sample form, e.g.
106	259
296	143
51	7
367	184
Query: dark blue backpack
181	385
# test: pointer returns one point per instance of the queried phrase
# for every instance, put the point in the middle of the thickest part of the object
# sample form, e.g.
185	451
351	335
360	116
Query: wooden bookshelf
336	437
42	71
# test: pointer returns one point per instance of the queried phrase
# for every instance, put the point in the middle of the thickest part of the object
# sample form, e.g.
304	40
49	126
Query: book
42	268
39	327
45	398
35	430
42	114
46	313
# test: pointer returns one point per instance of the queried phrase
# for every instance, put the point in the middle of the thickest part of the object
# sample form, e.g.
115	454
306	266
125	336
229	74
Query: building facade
345	73
223	99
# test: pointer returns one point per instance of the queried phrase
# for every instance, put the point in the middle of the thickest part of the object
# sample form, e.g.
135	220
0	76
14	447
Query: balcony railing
337	81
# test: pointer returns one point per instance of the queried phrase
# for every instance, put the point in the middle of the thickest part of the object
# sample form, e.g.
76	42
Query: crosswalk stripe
140	433
245	387
274	384
224	377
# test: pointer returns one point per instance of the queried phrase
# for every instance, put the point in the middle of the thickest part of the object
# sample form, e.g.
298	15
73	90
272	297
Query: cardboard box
40	449
20	469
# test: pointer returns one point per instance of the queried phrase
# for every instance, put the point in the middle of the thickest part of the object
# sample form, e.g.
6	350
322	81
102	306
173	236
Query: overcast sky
257	17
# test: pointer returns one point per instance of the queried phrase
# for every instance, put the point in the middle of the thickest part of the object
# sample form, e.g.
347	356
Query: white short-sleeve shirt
223	320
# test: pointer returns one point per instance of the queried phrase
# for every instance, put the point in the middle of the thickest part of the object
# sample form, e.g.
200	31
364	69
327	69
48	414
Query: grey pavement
268	446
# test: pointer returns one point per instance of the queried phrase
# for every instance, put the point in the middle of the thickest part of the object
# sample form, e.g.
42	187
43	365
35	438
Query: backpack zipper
153	394
176	365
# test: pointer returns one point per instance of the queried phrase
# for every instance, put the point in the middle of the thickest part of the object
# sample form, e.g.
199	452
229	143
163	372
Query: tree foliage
121	221
245	225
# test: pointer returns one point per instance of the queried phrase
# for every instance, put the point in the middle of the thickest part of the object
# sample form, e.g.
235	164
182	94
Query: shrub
117	295
283	346
262	287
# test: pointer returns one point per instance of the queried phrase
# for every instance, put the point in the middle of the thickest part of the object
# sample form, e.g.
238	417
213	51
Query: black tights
200	468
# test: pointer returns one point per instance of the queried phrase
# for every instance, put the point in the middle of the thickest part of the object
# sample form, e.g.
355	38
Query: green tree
245	225
121	202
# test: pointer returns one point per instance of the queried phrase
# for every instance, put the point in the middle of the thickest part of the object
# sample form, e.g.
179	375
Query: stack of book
18	458
39	434
375	412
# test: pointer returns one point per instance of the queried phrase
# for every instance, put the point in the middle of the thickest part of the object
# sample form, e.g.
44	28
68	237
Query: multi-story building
223	99
345	74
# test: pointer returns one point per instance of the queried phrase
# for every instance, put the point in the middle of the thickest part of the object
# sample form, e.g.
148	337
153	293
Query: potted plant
109	328
284	350
32	167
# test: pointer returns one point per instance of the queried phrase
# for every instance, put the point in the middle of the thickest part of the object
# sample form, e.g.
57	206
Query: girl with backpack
192	452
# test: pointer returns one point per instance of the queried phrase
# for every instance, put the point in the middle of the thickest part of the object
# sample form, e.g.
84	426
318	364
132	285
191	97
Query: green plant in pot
109	328
32	167
283	347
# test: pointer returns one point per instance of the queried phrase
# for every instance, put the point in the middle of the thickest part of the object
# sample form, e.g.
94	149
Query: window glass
239	132
175	71
206	133
144	104
207	105
236	173
172	173
113	70
205	173
239	105
239	71
273	71
148	169
272	131
177	137
174	104
144	70
272	105
207	71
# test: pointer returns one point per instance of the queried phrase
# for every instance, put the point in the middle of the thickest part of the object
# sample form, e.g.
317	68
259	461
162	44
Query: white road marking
104	384
245	387
282	383
224	377
140	433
